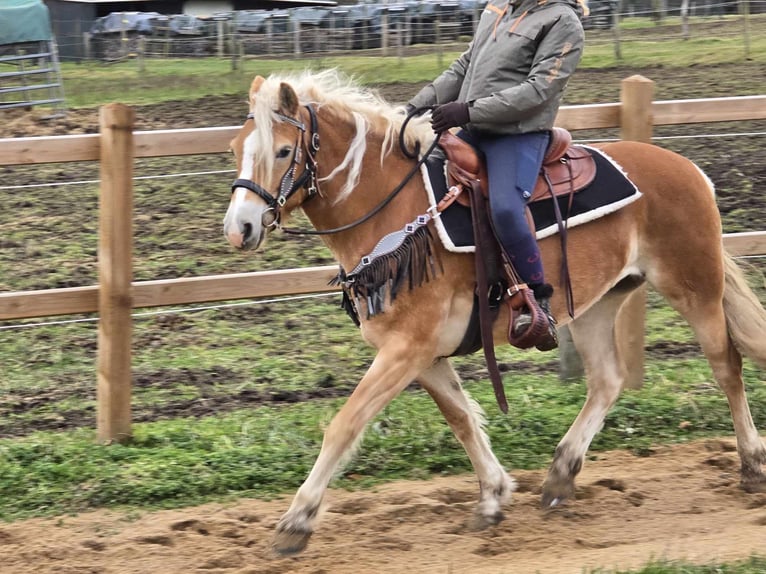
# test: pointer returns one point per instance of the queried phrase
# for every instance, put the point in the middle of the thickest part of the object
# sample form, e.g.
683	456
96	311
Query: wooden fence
118	145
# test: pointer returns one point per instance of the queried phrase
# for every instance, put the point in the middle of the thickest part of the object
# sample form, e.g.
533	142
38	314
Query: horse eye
284	152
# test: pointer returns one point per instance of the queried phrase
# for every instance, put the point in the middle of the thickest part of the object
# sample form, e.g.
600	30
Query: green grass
648	23
755	565
268	450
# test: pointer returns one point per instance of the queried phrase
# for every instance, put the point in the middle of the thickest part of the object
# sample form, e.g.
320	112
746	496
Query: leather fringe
409	265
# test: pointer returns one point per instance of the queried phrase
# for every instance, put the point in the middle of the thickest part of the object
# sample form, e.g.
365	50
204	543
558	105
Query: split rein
308	179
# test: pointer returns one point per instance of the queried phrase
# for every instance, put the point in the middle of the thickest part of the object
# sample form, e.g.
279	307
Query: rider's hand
449	116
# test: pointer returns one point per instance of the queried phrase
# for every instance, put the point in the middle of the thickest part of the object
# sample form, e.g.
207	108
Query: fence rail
117	146
163	143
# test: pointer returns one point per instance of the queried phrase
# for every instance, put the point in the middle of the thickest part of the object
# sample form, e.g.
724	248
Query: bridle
289	185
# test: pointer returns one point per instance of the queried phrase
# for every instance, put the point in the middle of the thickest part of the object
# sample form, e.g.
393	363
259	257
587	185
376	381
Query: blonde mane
365	109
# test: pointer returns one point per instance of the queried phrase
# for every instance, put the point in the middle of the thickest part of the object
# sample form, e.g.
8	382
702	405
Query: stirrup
552	340
531	325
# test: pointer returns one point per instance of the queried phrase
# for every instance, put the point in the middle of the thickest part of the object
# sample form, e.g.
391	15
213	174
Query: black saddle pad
610	190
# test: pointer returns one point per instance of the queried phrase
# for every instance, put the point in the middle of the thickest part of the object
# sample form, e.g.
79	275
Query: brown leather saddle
566	169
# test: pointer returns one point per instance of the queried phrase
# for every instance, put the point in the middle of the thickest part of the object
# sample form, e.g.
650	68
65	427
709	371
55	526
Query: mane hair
339	94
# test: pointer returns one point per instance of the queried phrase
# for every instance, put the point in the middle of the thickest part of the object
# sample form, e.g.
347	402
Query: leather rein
288	186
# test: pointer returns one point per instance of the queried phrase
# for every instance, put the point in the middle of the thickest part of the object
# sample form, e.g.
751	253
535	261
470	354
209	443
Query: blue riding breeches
513	163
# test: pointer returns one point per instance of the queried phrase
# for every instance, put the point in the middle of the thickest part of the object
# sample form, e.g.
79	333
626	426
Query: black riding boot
543	293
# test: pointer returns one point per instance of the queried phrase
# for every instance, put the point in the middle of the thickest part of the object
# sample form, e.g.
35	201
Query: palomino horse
670	237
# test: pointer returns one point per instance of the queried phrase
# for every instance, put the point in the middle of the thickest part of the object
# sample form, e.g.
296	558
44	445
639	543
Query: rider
505	91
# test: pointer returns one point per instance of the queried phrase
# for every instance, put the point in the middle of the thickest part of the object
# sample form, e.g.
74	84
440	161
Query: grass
755	565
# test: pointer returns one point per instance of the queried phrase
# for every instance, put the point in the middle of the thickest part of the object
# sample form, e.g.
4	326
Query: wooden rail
187	290
160	293
117	146
160	143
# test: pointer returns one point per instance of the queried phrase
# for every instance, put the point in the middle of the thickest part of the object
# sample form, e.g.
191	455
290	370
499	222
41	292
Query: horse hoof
291	542
483	521
551	502
556	494
754	486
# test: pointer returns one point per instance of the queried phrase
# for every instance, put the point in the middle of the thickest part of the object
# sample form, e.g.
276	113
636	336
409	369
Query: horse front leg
594	337
394	367
466	419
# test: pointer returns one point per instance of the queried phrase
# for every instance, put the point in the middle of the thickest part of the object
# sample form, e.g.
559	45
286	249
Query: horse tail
745	317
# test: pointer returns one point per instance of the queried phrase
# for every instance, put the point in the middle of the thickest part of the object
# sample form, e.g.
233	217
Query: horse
670	238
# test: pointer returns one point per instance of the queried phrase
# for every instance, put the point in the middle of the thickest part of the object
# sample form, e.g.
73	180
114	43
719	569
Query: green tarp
24	21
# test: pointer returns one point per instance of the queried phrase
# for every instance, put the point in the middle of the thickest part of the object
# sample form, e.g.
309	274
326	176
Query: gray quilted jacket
515	70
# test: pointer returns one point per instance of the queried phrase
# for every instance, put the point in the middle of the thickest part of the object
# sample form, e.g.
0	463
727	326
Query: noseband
289	185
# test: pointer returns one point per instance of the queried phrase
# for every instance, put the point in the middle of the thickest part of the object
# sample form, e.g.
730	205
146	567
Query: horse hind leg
394	367
745	330
727	320
594	337
466	420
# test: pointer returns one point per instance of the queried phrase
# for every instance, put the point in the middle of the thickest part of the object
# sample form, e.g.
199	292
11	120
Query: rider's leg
513	163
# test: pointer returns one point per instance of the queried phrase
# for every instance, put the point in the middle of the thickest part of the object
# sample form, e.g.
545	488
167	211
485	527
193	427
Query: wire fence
20	187
29	324
386	28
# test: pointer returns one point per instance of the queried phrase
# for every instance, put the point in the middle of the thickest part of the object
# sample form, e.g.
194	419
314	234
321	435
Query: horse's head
274	161
277	148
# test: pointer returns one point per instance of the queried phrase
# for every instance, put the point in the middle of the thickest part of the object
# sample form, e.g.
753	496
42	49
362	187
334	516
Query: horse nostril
247	231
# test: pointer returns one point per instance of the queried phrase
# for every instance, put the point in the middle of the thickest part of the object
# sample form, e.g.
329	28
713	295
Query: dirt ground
680	503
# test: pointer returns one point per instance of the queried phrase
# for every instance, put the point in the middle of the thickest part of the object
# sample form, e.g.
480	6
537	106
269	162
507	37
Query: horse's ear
288	100
256	85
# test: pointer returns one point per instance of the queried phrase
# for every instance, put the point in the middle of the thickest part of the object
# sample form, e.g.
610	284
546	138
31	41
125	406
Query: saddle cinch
566	169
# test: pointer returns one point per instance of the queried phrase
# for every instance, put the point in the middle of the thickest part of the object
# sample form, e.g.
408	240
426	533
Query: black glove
449	115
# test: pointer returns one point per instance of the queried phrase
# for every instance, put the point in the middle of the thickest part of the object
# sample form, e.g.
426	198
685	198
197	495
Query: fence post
140	52
124	48
636	98
636	95
384	32
115	273
269	36
616	30
87	55
636	124
438	40
233	47
745	11
219	38
685	19
296	25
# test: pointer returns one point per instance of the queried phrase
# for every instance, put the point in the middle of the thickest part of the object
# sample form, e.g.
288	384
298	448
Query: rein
309	176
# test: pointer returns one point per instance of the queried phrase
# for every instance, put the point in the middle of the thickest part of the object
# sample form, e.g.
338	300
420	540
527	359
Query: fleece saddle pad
610	190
